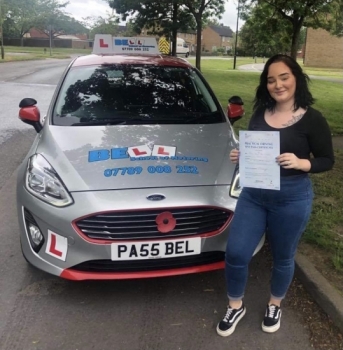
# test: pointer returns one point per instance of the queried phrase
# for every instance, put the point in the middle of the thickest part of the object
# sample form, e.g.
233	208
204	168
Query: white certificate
257	164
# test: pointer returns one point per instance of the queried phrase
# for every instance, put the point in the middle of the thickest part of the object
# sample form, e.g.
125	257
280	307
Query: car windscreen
135	94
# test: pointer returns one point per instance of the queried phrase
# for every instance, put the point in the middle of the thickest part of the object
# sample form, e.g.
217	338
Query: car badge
165	222
156	197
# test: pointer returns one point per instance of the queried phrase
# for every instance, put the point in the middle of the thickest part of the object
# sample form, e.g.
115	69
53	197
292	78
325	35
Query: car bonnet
139	156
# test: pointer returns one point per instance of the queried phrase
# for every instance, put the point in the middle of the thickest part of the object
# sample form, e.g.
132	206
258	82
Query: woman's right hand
234	156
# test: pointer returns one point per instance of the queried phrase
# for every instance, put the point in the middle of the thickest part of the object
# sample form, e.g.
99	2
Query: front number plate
155	249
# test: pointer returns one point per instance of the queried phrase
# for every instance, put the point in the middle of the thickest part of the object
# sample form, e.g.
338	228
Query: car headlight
43	182
235	189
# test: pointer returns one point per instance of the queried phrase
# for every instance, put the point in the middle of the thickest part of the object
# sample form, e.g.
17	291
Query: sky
84	8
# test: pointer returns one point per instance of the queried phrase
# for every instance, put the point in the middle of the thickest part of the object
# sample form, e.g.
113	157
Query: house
40	34
213	38
323	49
36	34
216	37
190	37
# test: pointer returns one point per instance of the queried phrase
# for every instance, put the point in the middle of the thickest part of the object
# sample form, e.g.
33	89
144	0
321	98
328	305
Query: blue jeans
283	215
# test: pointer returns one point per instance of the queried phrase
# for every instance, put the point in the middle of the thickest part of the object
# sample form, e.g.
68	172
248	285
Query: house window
214	48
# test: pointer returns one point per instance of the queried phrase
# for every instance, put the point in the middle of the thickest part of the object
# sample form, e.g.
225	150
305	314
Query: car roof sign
106	44
102	43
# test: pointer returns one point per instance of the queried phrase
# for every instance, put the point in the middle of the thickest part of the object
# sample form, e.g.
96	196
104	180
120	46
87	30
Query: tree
2	11
213	22
54	21
163	18
59	25
332	21
51	17
313	13
255	33
22	15
102	25
302	38
170	16
202	10
20	18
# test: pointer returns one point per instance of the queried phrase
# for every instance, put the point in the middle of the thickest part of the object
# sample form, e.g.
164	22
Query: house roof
68	36
222	30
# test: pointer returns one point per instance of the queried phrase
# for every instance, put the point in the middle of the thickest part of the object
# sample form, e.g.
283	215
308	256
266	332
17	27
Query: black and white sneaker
229	322
272	319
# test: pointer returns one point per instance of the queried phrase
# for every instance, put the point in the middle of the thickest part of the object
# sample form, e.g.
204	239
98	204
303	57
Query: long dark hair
302	97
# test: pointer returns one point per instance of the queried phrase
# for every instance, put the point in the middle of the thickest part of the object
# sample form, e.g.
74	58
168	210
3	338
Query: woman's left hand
289	161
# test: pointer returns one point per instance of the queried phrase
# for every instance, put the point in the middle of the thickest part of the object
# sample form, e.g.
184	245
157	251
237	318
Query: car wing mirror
235	109
29	113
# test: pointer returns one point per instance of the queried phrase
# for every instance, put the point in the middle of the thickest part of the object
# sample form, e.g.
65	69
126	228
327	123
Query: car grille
150	264
142	224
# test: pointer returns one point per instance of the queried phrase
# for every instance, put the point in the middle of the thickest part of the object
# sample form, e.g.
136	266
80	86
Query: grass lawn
226	63
39	50
326	225
17	53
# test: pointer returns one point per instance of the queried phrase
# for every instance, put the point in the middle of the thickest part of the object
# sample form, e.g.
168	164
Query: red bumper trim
75	275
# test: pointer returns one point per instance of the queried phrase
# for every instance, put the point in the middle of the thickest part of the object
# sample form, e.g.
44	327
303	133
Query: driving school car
129	175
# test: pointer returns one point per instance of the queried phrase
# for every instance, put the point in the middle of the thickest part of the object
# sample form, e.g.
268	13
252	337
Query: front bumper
92	260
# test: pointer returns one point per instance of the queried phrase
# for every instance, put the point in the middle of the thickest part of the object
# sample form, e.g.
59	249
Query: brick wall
57	43
82	44
211	39
323	49
30	42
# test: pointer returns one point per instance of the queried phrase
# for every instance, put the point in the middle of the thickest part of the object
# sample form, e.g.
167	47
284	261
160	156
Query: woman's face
281	83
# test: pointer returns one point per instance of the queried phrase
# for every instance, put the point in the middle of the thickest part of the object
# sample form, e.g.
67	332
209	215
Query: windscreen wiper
131	121
109	122
204	117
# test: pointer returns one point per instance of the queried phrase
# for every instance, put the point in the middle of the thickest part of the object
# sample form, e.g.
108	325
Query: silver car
129	175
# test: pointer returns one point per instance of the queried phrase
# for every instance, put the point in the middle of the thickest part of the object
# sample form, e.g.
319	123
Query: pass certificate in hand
257	165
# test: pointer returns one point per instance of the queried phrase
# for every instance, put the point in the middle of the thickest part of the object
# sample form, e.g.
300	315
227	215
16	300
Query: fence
45	42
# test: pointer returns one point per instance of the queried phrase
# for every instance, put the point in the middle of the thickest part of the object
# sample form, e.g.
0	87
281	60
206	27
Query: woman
282	103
